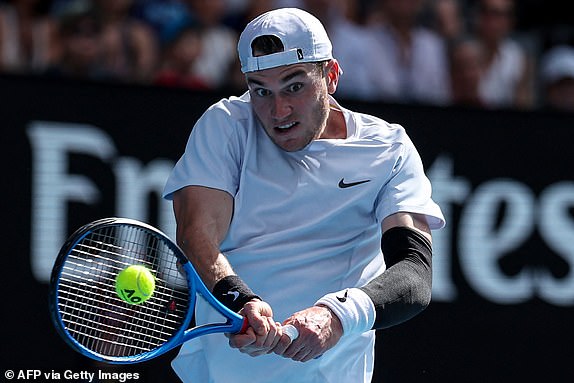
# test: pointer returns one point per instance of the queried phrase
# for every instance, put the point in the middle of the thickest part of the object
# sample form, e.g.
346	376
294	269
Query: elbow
402	310
421	296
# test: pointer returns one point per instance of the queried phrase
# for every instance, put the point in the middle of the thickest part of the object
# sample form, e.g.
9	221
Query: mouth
284	128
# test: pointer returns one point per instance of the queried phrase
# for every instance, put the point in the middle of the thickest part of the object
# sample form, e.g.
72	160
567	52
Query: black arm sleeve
404	289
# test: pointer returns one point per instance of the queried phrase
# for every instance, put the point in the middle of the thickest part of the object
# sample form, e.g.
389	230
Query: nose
280	108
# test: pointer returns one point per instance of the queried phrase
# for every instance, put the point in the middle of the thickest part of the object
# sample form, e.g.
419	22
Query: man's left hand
319	330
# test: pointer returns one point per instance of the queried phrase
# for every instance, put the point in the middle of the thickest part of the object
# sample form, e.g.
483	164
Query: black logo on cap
299	53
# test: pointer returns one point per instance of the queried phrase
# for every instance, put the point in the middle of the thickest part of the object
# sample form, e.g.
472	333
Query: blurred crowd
439	52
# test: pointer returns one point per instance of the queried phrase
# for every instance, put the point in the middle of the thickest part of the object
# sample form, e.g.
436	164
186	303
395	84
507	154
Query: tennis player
296	210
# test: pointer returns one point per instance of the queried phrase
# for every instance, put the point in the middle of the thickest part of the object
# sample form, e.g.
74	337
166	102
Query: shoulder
378	129
511	45
232	109
428	36
512	51
220	35
228	116
429	41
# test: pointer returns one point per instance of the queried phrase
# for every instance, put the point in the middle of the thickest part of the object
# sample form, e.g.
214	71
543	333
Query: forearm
400	293
209	262
404	289
203	216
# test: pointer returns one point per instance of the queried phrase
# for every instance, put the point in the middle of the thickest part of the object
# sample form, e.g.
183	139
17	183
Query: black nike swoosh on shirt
344	185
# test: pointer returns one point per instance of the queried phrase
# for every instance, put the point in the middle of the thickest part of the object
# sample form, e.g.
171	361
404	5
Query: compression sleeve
400	293
404	289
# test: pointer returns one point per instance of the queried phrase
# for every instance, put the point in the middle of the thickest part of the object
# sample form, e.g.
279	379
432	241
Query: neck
336	126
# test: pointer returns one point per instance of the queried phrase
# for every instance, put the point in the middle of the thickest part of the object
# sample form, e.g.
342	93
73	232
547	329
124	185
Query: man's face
291	102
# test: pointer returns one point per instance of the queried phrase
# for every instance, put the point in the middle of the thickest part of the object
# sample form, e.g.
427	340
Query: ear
333	72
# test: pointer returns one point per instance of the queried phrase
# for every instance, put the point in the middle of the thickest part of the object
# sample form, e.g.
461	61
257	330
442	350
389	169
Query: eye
262	92
295	87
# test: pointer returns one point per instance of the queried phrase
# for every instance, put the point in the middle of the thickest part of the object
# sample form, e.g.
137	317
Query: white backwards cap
302	34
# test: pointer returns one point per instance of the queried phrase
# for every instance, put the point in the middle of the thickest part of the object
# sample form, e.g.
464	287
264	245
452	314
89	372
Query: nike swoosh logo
344	185
234	293
343	299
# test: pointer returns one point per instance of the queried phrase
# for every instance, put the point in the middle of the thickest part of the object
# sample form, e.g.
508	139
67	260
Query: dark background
467	338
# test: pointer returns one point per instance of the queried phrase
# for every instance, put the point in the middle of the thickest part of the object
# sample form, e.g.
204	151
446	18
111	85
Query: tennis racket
93	320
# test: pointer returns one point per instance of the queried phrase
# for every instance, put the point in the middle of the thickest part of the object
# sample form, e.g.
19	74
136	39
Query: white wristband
354	309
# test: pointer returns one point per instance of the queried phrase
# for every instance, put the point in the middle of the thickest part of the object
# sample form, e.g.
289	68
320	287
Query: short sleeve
212	155
408	188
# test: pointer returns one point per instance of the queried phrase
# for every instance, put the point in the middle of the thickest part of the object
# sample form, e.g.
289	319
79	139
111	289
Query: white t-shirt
500	81
379	73
305	223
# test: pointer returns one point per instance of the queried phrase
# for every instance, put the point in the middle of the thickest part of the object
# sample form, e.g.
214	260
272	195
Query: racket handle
289	330
244	326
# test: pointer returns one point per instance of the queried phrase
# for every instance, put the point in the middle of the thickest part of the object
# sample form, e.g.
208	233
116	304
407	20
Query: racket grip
289	330
244	326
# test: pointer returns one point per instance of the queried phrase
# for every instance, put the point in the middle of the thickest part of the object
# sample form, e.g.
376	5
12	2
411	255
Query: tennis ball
135	284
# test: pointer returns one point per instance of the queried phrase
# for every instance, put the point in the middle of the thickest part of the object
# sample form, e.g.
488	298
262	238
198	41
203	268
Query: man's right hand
263	332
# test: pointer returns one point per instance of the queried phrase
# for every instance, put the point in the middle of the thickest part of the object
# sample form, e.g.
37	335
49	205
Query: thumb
242	340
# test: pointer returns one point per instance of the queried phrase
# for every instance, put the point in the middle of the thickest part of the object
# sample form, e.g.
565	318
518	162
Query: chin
291	146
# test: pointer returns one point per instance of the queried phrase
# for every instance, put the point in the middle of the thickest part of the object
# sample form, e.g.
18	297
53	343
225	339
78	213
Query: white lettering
496	218
136	183
447	191
483	241
53	187
557	229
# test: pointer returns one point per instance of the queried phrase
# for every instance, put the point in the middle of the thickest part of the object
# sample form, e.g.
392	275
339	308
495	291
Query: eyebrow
285	79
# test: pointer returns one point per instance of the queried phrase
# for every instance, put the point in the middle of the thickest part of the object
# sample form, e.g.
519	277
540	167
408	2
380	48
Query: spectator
27	36
219	42
557	77
409	61
79	35
354	46
508	77
466	64
447	18
235	82
178	58
238	19
130	46
166	17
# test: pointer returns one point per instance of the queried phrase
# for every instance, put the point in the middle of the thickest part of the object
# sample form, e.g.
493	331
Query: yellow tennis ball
135	284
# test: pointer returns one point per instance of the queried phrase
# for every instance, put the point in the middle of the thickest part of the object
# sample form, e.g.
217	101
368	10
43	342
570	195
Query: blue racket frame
235	323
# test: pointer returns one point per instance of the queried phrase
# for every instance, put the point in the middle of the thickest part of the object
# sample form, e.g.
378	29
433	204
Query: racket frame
235	323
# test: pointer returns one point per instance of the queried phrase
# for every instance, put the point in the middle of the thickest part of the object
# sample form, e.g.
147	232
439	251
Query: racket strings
92	311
